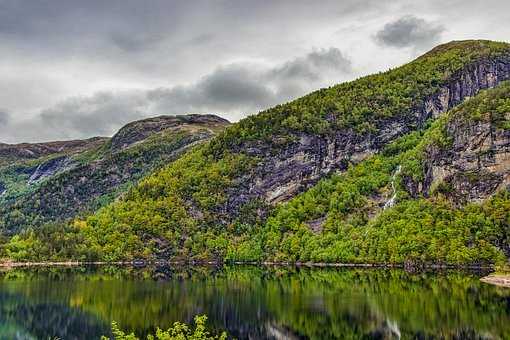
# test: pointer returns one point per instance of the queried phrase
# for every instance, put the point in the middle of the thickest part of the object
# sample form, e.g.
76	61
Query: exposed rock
289	170
317	224
142	129
498	280
475	166
50	168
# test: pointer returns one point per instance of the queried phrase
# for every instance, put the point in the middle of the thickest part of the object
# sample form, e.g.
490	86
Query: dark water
253	302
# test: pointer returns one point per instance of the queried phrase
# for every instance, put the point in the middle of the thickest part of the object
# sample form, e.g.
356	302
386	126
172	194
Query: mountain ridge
309	180
68	176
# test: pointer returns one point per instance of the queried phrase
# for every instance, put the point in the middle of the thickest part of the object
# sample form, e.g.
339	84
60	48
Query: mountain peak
469	47
139	130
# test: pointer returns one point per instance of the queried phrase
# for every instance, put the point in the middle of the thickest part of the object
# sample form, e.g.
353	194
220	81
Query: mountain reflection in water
253	302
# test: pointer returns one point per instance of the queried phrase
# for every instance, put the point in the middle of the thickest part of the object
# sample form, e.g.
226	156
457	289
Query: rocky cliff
475	161
374	170
284	172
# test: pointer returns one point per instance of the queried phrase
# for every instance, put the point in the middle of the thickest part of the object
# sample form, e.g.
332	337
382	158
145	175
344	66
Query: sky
74	69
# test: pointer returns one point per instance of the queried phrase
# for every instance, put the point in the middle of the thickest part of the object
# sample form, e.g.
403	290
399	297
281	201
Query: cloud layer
238	89
410	31
4	118
73	68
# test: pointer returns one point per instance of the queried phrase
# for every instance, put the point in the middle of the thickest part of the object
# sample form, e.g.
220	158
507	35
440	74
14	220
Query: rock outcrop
286	171
475	166
140	130
50	168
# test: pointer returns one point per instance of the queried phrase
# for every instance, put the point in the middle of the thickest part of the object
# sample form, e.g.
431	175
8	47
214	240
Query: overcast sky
74	69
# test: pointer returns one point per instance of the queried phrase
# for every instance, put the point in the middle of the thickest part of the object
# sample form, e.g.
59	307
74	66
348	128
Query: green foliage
51	242
362	103
425	230
415	230
182	208
182	211
86	187
154	212
22	247
179	331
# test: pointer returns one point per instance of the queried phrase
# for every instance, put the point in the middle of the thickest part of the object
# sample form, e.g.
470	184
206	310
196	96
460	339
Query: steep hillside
408	203
211	202
65	178
356	172
391	207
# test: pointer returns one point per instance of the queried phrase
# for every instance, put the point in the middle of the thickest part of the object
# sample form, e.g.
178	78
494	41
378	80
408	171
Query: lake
253	302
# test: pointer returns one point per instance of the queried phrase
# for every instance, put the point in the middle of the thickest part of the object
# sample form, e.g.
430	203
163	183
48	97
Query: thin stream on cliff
391	201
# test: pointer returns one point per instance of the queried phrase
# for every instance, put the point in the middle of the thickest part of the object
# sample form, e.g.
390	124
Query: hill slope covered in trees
392	167
48	182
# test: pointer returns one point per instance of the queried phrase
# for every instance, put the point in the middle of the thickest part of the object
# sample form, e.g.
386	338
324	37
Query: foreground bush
179	331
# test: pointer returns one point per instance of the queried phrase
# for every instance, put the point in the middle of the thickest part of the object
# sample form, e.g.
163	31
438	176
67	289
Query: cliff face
402	136
49	168
285	172
476	163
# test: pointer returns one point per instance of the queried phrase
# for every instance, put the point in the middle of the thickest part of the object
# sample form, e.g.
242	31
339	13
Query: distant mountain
11	153
53	181
406	166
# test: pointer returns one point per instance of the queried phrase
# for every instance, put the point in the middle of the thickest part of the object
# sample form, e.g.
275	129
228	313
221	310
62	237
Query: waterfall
391	201
35	175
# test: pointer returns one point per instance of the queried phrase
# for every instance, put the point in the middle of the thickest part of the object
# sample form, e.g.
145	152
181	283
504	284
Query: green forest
179	212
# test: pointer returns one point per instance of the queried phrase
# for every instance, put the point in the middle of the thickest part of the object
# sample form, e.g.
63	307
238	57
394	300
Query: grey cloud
135	42
313	66
247	87
4	117
99	114
409	31
229	89
232	90
96	45
201	39
52	50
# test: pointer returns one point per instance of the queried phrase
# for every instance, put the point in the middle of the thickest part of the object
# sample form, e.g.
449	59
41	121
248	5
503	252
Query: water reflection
253	302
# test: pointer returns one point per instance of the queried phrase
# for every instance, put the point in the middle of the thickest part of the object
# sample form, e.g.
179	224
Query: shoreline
500	280
141	263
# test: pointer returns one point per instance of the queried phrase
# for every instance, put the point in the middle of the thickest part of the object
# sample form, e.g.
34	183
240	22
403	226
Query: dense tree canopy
179	211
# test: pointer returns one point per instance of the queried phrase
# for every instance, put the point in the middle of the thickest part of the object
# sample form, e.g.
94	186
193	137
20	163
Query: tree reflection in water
253	302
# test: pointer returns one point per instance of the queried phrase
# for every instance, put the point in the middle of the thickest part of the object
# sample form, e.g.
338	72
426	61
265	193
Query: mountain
409	165
11	153
440	195
56	180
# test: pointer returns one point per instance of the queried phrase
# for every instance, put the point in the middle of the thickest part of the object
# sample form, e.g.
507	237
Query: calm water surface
253	302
